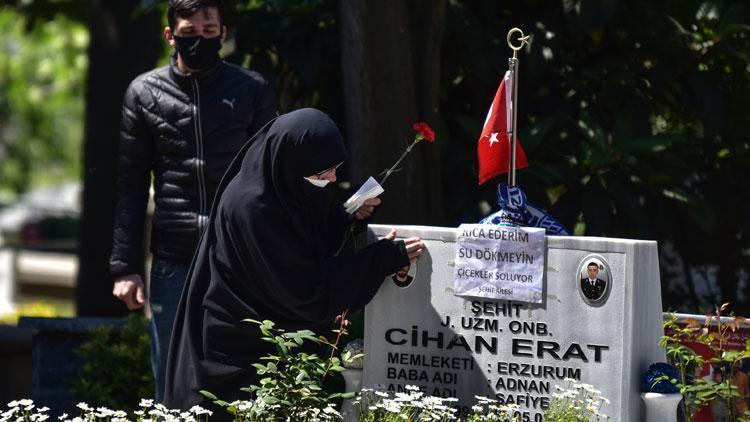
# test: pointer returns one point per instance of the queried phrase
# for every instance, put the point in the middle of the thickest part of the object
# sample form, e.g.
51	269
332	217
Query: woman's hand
365	211
414	245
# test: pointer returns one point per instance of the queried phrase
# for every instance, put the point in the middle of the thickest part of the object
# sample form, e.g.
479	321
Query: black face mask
198	52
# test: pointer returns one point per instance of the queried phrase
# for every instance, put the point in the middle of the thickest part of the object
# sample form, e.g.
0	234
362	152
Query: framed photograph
594	280
405	276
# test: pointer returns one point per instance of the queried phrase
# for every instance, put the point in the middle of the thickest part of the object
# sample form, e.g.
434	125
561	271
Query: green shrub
292	387
713	334
117	366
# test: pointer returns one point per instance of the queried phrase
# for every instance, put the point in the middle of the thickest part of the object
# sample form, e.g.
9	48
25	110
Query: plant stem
334	347
401	158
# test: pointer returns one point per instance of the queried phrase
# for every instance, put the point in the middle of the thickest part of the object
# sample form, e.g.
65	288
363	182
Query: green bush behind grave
116	369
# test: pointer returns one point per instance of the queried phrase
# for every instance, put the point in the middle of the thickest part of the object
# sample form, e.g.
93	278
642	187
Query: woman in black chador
267	253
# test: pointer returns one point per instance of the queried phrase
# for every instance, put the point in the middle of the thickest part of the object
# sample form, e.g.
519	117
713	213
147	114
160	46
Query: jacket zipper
199	162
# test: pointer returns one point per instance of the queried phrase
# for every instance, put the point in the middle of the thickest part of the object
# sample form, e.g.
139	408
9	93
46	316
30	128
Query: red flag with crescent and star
493	147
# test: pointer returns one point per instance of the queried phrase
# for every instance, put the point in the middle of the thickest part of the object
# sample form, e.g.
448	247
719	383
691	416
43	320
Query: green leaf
312	338
208	394
270	400
272	384
260	369
268	323
302	375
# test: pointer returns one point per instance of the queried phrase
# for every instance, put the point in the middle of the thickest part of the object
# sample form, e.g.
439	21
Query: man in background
182	125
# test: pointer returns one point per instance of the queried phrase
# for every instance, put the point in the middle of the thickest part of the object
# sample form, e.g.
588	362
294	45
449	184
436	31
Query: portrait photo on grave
594	280
404	276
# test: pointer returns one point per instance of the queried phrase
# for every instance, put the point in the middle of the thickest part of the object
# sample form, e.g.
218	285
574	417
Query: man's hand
414	245
130	289
366	209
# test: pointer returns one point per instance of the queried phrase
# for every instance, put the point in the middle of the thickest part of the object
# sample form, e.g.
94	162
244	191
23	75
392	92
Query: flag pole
513	68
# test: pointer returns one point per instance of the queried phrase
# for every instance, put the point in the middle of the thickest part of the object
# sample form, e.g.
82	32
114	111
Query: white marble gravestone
424	335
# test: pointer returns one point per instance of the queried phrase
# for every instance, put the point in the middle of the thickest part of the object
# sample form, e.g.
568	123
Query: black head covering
297	145
266	255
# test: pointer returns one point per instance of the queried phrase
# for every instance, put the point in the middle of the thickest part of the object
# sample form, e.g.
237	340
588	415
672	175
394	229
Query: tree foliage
42	74
632	113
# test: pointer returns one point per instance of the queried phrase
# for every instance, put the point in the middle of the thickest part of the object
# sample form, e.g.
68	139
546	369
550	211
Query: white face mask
321	183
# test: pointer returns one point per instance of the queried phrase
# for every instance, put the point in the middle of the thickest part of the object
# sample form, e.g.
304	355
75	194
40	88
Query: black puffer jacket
185	130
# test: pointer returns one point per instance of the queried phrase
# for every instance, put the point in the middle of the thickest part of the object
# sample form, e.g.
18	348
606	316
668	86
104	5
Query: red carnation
424	131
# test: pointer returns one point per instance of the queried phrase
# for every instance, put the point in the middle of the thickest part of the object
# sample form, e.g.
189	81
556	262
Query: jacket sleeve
134	163
265	108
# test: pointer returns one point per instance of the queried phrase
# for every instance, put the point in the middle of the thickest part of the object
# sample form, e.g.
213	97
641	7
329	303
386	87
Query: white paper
499	262
370	189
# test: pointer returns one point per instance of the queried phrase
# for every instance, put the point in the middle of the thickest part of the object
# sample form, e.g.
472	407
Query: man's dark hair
592	263
187	8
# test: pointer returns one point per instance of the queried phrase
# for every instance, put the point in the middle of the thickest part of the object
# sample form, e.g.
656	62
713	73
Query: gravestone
56	362
15	363
419	332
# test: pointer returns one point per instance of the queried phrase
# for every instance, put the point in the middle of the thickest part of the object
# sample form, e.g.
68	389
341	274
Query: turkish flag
493	147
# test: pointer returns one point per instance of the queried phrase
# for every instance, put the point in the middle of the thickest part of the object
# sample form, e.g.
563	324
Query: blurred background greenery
634	114
42	73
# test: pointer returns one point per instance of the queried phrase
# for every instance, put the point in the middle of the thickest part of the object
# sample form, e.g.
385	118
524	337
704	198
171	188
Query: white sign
499	262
